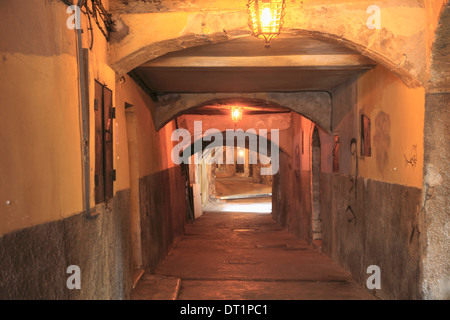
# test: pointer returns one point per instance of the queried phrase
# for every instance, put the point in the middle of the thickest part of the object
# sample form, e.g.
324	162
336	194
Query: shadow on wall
382	140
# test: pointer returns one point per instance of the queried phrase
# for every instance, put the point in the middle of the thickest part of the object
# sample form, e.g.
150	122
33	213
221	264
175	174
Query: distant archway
207	146
315	186
315	106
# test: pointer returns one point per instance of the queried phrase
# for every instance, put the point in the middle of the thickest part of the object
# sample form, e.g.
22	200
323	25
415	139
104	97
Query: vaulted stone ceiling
147	29
245	65
145	6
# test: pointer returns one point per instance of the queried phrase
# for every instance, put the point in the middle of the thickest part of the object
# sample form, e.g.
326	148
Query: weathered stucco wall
368	216
291	185
154	147
34	260
359	230
397	117
41	185
436	191
40	163
44	228
438	15
290	199
436	197
142	35
313	105
161	183
371	206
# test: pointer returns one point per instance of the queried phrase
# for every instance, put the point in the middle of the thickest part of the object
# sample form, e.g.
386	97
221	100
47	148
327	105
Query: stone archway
315	186
400	46
207	155
141	36
315	106
206	143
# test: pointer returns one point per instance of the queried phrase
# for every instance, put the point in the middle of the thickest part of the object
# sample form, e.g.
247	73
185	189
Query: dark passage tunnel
105	109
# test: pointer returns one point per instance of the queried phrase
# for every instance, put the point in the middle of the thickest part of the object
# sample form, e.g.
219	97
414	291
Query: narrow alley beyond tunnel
239	193
232	256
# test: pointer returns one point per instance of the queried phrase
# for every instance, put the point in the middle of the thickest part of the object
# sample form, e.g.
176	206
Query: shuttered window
104	171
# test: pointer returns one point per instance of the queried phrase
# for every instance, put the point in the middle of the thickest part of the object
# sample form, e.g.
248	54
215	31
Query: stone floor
238	185
232	255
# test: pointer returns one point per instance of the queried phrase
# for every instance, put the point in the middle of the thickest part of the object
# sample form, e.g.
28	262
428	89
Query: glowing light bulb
266	18
236	114
241	153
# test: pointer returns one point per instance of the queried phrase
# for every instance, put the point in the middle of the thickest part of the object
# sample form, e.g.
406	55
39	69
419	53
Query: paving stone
156	287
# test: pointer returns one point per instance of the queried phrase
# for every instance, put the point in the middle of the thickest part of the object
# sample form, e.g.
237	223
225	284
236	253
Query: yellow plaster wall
41	164
397	117
41	176
128	92
40	161
154	147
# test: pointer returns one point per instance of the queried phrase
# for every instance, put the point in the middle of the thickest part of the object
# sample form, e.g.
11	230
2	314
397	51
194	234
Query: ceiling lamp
236	114
266	18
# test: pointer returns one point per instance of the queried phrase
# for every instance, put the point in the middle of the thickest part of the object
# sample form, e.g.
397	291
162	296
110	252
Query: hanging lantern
266	18
236	114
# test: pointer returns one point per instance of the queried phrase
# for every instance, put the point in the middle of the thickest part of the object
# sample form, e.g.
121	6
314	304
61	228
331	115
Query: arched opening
320	189
183	77
140	53
310	193
232	172
315	186
315	106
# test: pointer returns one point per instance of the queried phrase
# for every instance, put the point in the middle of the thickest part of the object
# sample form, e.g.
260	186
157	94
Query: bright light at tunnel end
258	141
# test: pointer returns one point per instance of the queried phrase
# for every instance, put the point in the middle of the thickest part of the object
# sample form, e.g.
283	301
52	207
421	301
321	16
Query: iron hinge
96	104
114	175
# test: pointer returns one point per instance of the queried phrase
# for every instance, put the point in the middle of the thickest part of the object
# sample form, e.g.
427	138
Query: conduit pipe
84	115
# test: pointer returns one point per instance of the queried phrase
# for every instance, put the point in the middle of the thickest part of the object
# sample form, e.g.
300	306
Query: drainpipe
85	117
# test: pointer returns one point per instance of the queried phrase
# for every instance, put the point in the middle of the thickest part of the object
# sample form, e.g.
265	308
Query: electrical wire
84	106
67	2
98	13
89	28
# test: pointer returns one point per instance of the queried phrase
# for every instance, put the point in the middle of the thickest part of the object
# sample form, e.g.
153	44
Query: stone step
156	287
